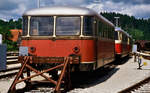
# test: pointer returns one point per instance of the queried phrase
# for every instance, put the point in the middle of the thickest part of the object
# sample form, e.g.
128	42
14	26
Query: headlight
32	49
76	49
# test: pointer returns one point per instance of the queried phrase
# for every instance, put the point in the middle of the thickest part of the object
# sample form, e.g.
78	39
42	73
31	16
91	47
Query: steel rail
135	86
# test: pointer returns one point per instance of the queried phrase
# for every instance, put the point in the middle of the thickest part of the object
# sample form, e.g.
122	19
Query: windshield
41	26
68	26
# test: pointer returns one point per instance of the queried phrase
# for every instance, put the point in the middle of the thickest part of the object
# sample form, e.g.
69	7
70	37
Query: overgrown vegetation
5	27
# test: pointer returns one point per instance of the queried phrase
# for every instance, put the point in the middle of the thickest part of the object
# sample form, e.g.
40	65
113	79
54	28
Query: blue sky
138	8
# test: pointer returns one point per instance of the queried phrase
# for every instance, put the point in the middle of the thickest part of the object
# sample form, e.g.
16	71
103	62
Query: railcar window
105	31
116	35
68	26
100	29
88	26
25	26
120	36
113	34
41	26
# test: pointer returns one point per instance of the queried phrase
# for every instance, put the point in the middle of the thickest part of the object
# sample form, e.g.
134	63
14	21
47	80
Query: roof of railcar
121	30
65	11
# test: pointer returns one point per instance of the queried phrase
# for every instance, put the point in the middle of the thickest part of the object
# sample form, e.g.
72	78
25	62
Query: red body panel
121	49
62	48
129	48
106	51
118	48
124	48
105	48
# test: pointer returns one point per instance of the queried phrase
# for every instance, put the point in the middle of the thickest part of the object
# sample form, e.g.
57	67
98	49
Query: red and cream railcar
130	43
123	43
69	31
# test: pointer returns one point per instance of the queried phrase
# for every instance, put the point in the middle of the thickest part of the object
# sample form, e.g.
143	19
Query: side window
88	26
103	30
100	28
25	26
106	32
113	34
95	26
120	36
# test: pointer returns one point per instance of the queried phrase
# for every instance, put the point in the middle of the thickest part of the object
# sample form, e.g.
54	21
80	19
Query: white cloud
63	2
97	6
138	10
15	8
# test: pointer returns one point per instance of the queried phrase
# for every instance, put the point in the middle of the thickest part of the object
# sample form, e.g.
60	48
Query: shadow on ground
88	79
121	61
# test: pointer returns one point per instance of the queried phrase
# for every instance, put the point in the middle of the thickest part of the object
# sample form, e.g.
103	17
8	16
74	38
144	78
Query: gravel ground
111	81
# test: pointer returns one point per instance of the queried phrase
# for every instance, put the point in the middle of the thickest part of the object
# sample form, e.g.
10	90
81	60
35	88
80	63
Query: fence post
3	49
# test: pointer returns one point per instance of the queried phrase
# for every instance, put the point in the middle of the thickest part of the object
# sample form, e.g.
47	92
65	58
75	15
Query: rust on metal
61	75
48	59
73	59
27	68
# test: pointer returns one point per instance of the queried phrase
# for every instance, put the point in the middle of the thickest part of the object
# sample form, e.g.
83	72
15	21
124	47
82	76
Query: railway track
140	87
12	65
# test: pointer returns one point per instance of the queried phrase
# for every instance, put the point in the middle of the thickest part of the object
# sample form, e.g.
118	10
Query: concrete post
0	39
3	49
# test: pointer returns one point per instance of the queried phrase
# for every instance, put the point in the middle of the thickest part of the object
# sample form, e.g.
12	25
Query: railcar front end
69	31
121	43
61	36
66	39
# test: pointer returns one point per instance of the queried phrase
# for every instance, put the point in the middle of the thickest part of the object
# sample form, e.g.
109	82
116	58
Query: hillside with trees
138	28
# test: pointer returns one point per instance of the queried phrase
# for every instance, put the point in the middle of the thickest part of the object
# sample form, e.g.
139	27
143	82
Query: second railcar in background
69	31
123	43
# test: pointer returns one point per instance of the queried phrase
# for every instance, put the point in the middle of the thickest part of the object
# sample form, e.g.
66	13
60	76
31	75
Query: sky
13	9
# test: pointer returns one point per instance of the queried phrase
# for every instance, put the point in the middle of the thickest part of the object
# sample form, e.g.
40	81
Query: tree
5	31
136	33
